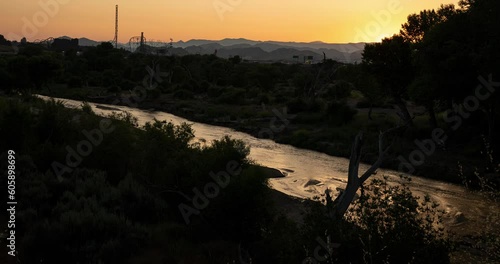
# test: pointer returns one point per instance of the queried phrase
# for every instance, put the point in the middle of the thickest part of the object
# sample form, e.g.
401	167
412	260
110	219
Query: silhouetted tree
390	62
3	41
418	24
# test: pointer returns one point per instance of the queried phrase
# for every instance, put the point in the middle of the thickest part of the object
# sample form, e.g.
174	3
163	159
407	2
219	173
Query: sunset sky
331	21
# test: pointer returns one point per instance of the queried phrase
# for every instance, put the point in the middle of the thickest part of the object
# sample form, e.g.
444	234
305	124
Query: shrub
154	93
75	82
300	137
295	105
365	103
224	150
397	227
339	90
84	225
215	91
299	104
241	208
87	108
183	94
264	98
232	96
205	85
386	224
338	113
114	89
127	85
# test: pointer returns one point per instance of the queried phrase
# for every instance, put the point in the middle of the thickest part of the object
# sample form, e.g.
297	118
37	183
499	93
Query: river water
301	166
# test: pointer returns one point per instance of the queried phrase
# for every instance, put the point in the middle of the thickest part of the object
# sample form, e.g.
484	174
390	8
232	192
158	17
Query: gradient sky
331	21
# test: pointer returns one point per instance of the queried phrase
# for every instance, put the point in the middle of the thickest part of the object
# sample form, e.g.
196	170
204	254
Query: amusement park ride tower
140	43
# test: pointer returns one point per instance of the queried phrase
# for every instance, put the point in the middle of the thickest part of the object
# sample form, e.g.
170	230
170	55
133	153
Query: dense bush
398	227
386	224
183	94
338	113
299	104
89	221
75	82
106	209
232	96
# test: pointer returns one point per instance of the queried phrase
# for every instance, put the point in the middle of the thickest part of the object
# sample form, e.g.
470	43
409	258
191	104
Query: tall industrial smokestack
116	28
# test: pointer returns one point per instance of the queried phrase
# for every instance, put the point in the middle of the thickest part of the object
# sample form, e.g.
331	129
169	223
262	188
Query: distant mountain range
83	41
259	50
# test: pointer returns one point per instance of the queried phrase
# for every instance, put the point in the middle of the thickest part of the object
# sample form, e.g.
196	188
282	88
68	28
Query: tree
3	41
42	69
31	50
34	71
390	62
5	76
368	84
418	24
484	31
235	60
461	45
423	90
19	72
364	81
339	206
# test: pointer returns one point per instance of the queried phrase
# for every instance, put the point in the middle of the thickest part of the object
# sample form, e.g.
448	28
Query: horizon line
214	40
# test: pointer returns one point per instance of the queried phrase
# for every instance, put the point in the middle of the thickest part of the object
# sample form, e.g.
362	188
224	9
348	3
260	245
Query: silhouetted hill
211	46
258	50
268	46
273	50
87	42
83	41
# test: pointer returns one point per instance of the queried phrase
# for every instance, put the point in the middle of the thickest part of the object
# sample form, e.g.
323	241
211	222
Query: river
301	166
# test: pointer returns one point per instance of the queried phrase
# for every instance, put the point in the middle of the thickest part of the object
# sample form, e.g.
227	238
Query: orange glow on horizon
279	20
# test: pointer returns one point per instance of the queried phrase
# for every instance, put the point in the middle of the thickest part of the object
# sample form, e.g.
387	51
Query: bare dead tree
339	206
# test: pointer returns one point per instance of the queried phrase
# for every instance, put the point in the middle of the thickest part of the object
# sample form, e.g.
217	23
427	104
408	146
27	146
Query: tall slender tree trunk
404	110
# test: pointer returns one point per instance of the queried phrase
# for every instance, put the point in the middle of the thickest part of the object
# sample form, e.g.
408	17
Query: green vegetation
379	226
331	101
122	202
110	207
322	97
128	200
